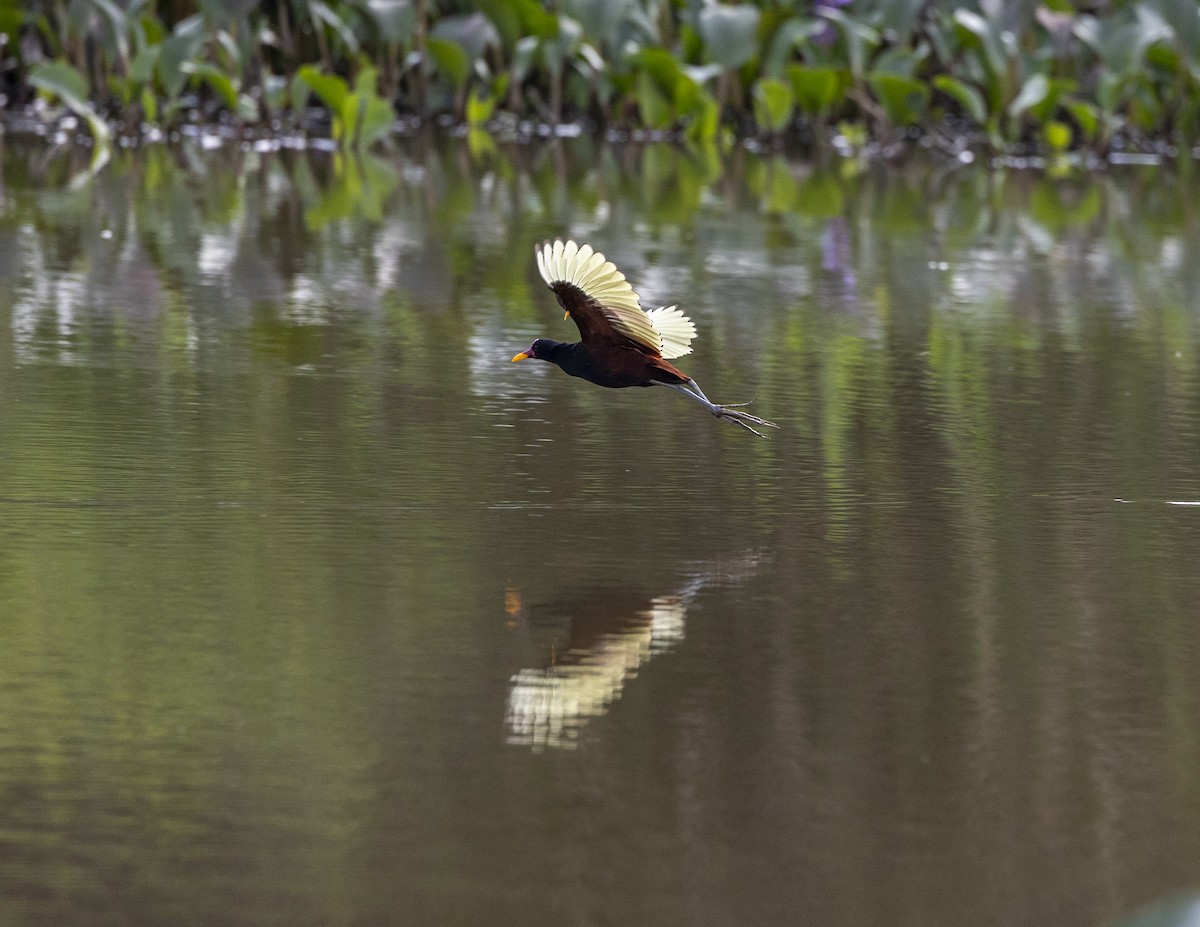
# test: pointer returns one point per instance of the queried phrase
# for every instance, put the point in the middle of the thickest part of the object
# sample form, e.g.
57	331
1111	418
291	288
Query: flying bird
620	343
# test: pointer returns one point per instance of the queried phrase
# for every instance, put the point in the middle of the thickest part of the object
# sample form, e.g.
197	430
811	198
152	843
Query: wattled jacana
620	343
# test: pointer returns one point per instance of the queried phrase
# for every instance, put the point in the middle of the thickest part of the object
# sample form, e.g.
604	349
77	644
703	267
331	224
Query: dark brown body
610	363
603	356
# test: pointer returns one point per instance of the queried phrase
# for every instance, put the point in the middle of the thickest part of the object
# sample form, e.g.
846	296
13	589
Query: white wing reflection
546	707
612	636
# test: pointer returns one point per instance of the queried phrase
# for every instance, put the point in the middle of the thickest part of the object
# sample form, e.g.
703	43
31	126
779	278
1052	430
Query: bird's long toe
745	420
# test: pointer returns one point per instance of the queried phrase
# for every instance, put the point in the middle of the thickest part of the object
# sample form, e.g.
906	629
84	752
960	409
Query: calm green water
314	609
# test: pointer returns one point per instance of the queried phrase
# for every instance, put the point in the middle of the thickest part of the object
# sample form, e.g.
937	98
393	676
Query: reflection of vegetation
285	226
361	185
820	271
1054	76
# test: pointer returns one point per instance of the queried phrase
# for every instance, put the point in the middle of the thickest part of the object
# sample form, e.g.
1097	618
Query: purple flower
827	33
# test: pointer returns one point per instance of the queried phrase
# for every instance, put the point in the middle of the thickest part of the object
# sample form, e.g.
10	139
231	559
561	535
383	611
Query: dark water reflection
315	609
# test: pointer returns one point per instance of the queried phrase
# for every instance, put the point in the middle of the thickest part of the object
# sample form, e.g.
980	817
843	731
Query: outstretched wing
675	329
603	304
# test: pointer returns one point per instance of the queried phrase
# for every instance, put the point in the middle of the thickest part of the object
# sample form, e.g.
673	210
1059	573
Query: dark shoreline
311	132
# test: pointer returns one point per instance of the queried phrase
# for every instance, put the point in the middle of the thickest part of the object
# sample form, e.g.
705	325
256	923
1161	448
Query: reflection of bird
610	638
620	343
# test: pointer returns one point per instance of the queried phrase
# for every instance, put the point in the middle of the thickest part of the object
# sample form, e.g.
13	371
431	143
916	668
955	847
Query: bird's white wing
675	330
599	281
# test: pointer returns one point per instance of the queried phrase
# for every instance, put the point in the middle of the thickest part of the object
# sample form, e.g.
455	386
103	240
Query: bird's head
541	349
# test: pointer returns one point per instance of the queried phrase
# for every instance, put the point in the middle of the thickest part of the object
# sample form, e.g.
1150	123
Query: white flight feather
666	330
675	329
570	252
556	260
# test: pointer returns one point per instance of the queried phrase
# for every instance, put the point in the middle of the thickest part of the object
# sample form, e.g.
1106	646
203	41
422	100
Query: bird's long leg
728	412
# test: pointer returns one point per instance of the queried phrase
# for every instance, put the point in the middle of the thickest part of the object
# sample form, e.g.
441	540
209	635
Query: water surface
315	609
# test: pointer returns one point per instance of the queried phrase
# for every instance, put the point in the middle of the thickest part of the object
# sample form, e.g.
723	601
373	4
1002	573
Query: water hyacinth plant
1051	77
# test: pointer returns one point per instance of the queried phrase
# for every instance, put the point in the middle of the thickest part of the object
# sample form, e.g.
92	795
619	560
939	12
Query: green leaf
592	58
1164	57
149	105
977	32
653	106
360	116
471	33
861	39
783	43
61	80
230	47
222	11
122	88
275	88
142	69
704	120
118	26
556	52
513	19
817	90
375	120
329	88
247	108
1121	43
970	99
902	61
900	18
451	61
730	33
662	83
1059	88
480	106
366	84
217	79
904	99
1184	21
12	18
153	31
691	45
1033	92
395	19
1146	106
178	48
1086	116
661	65
700	74
773	103
684	94
523	56
600	18
1057	136
322	13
